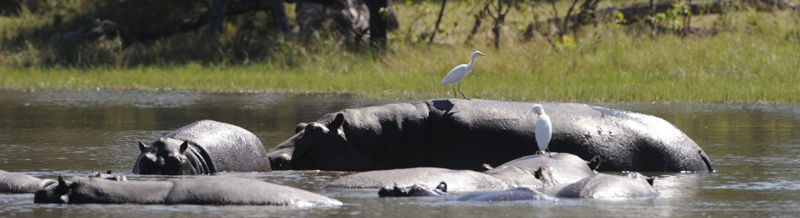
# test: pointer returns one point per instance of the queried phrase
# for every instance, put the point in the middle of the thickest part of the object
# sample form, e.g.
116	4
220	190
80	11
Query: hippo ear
142	146
337	122
487	167
544	174
651	180
184	146
442	186
300	127
538	173
62	190
62	184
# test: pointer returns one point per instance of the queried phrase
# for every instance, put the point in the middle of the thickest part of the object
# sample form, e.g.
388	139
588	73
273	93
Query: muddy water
51	133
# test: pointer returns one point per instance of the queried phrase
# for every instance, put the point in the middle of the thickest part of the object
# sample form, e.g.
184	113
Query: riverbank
755	61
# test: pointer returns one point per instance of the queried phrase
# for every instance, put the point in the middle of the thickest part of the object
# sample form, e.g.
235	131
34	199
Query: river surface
49	133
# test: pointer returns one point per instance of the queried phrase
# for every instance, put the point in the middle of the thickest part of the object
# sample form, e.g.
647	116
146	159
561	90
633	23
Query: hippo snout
280	160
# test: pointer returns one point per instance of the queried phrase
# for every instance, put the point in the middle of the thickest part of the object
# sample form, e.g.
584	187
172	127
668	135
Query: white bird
544	129
457	74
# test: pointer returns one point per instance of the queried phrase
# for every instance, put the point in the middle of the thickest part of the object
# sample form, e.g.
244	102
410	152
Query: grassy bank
756	60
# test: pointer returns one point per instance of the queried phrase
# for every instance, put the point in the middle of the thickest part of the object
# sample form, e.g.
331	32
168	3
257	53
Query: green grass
754	61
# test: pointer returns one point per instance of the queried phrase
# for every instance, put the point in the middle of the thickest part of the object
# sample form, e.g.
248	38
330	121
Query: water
49	133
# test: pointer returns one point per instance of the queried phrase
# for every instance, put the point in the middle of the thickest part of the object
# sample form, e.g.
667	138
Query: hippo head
107	175
640	177
58	192
164	156
316	145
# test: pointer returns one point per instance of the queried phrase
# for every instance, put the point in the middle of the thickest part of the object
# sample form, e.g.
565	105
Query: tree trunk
497	23
477	26
377	23
279	16
689	21
436	27
215	16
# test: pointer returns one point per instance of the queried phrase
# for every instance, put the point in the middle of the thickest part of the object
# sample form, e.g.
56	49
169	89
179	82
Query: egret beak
482	54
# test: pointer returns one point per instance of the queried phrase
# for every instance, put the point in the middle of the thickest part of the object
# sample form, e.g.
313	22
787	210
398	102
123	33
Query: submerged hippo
532	172
549	169
203	147
605	186
465	134
18	183
201	190
516	194
428	177
414	191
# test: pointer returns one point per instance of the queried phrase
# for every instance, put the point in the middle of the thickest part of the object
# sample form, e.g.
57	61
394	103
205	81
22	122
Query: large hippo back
491	132
201	190
467	133
231	148
622	140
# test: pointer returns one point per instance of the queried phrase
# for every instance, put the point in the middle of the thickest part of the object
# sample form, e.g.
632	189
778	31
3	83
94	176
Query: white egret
457	74
544	129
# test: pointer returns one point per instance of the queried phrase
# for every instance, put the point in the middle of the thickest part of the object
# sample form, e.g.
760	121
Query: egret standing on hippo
544	128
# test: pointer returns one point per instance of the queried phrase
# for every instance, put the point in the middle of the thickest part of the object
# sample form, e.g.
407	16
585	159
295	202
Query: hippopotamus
203	147
550	169
534	171
606	186
428	177
200	190
467	133
18	183
516	194
414	191
107	175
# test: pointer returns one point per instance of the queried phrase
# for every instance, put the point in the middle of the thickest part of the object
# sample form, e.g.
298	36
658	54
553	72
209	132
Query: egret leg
459	91
454	92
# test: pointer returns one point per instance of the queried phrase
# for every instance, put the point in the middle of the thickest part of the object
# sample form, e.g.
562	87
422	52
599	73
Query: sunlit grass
757	61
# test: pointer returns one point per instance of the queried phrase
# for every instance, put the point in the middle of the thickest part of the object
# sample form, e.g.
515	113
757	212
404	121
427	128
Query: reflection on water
51	133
